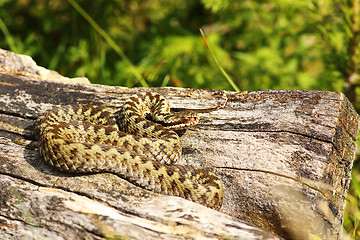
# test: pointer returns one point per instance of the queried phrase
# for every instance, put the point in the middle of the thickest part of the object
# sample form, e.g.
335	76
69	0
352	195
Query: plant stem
228	78
109	40
9	39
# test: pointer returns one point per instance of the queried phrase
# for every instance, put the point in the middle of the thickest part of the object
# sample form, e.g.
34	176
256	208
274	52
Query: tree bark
284	158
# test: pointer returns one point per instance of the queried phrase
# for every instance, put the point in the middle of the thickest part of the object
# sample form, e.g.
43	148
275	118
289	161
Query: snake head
180	120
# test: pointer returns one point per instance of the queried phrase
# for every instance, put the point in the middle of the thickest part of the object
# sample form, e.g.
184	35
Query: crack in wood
308	183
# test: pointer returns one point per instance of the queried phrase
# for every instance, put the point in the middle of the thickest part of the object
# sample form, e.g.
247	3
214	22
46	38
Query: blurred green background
278	44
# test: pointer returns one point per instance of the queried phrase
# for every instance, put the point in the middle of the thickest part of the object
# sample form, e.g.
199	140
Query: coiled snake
89	139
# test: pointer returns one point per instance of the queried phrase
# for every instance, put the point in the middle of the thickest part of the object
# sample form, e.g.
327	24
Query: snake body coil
89	139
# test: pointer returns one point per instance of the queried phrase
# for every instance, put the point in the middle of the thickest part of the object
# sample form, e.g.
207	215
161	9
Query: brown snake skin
89	139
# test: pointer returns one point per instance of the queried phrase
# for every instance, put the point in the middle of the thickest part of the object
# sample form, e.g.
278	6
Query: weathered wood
21	65
284	158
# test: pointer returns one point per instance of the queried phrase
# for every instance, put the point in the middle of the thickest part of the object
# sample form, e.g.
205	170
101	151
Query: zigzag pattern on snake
89	139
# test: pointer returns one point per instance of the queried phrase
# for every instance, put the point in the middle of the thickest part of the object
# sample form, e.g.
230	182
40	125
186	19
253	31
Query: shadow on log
284	158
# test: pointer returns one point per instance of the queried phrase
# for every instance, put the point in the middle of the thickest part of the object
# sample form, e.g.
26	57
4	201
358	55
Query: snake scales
89	139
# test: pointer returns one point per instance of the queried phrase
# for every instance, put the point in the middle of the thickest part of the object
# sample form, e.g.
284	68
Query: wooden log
284	158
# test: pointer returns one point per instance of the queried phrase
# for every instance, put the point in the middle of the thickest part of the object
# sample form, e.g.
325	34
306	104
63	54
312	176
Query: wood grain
284	157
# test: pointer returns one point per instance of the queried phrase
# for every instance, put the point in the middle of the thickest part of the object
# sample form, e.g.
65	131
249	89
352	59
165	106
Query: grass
110	41
352	210
227	77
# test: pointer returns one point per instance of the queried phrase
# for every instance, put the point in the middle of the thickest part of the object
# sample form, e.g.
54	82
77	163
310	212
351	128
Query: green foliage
278	44
352	211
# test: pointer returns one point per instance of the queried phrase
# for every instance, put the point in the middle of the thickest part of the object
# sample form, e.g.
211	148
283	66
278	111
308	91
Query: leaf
315	237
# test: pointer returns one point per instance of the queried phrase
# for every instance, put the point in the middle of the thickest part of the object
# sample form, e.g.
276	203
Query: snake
138	143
